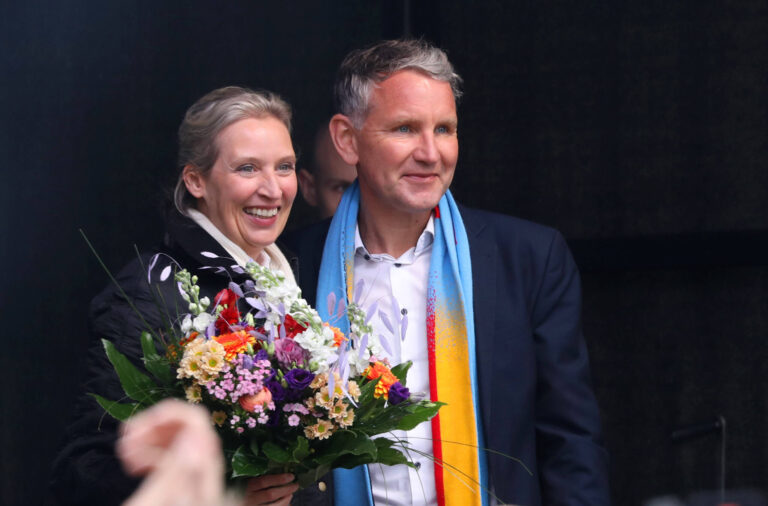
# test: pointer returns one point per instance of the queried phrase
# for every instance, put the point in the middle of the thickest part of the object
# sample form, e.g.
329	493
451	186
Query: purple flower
298	379
278	392
247	362
261	355
289	353
398	393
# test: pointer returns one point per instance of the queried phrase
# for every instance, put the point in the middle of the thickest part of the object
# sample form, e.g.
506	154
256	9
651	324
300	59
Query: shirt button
418	465
398	264
367	256
403	311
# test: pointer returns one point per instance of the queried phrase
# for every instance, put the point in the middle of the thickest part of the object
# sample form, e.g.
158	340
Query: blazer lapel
483	251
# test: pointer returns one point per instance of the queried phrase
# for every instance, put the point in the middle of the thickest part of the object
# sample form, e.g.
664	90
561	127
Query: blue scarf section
450	255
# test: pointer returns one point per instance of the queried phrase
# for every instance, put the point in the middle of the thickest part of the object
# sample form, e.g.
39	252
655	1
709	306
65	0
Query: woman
235	190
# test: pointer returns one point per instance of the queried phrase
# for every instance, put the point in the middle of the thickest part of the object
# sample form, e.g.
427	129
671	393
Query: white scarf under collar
270	256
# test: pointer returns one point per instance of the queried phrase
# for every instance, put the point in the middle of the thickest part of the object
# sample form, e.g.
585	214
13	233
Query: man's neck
391	233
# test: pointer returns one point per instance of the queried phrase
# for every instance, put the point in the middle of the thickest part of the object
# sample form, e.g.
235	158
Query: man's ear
194	181
344	137
307	187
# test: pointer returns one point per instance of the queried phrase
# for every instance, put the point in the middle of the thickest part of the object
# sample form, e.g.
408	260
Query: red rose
292	327
226	298
229	316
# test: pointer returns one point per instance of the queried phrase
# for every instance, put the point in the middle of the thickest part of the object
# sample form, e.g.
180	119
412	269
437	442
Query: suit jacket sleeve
572	459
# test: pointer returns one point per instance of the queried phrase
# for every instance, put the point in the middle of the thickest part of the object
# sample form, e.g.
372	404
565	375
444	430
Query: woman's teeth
261	213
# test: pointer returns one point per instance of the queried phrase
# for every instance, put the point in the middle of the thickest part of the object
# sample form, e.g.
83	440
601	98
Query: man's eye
442	130
247	168
340	188
404	129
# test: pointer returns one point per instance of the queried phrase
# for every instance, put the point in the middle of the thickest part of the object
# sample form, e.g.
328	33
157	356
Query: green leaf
401	371
137	386
392	457
254	445
352	461
348	442
275	453
307	478
154	362
244	463
423	411
301	449
117	410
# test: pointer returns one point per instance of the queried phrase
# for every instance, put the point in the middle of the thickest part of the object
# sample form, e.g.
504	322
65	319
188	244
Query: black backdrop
639	130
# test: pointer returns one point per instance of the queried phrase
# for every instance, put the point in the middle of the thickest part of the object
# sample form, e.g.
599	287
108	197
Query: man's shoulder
506	229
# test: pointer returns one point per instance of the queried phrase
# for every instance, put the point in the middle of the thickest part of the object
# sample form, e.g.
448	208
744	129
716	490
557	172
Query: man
493	302
328	177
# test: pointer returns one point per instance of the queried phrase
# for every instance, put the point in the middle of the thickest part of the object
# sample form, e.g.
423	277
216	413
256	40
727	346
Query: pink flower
293	420
250	402
289	352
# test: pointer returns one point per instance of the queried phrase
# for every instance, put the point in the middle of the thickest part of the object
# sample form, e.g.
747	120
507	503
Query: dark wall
638	129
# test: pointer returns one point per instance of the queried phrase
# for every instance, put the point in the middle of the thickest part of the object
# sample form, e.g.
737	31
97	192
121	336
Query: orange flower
386	379
235	342
375	370
338	336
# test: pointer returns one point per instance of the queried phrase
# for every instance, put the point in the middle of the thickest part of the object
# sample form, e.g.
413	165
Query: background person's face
250	189
330	176
407	147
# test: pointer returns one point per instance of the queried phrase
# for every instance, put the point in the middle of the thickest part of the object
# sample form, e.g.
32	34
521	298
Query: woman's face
249	191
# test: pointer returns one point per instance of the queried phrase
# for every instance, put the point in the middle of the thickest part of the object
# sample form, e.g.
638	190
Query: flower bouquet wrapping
286	391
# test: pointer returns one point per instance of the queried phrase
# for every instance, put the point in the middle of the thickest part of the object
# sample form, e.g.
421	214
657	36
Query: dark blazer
535	394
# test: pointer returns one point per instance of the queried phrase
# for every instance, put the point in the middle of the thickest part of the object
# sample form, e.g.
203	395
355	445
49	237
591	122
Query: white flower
202	321
186	324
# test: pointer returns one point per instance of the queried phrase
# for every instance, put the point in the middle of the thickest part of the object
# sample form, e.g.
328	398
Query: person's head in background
324	181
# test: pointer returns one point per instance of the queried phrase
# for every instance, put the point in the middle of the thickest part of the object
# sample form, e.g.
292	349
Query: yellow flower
347	420
353	389
319	381
321	430
193	394
322	398
219	417
203	360
338	410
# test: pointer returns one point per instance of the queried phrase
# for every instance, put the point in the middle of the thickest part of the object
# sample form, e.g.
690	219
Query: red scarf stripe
437	448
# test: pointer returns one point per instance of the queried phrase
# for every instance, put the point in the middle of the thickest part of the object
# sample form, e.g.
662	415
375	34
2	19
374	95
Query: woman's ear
344	137
194	181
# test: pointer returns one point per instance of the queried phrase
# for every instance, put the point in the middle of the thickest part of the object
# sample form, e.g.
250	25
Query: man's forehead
408	89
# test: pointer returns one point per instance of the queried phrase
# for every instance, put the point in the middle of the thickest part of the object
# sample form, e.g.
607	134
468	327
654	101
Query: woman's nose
269	186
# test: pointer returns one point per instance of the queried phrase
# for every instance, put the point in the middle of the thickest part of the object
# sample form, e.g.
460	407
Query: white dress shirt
405	278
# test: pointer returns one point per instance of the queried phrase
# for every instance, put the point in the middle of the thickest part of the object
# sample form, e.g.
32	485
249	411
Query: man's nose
426	151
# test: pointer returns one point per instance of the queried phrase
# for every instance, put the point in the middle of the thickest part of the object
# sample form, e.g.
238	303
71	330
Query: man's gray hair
362	68
207	118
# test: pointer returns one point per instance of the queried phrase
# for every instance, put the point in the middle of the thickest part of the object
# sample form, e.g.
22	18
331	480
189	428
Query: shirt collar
423	244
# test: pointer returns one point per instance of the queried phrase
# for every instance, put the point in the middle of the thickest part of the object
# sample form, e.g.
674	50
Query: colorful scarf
460	469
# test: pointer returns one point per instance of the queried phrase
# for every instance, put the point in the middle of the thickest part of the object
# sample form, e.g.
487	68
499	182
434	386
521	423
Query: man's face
331	175
408	146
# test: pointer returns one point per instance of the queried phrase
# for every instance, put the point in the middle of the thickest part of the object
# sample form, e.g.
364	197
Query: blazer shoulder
509	231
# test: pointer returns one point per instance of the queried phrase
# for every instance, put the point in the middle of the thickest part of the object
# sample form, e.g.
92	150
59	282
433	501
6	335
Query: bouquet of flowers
287	391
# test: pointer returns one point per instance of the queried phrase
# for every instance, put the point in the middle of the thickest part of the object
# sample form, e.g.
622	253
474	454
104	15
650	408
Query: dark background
638	129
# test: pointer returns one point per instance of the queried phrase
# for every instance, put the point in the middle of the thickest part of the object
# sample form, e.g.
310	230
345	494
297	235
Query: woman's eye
286	167
247	168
